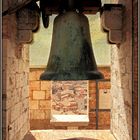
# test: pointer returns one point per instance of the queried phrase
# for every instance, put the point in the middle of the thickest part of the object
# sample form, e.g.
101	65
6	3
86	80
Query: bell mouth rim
57	76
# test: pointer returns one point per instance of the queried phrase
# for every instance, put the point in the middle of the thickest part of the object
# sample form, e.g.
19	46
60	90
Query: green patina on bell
71	56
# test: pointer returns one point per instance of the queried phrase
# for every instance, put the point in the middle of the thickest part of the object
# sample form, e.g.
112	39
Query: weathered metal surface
71	56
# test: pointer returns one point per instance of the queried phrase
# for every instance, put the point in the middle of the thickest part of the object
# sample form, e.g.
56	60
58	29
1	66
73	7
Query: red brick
104	120
92	92
92	104
104	85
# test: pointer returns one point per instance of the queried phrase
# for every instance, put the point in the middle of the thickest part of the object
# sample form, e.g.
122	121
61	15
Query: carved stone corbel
27	22
111	22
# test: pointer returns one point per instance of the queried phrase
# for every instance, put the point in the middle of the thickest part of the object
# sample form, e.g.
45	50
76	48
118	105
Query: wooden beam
87	6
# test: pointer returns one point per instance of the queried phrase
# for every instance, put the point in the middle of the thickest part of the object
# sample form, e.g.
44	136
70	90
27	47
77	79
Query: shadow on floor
81	138
29	136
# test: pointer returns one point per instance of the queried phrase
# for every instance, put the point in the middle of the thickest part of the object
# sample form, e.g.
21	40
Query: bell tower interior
104	109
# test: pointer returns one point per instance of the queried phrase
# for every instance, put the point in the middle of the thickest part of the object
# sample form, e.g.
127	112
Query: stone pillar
15	94
121	79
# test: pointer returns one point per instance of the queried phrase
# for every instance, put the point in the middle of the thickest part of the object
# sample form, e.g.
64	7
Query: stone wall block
4	51
20	65
25	52
24	92
30	94
11	64
35	74
20	122
122	66
37	114
17	75
128	64
34	85
125	81
16	110
48	95
34	105
6	28
48	114
4	77
6	117
38	73
46	85
45	104
127	97
11	132
32	76
39	95
25	105
24	129
10	82
12	100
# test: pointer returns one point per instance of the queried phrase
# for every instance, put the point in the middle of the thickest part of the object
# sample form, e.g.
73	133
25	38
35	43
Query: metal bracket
111	22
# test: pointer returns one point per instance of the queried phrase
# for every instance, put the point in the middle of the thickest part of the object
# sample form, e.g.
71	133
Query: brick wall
15	83
121	79
40	102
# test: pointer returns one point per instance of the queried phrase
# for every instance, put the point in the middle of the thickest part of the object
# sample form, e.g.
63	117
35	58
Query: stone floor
69	135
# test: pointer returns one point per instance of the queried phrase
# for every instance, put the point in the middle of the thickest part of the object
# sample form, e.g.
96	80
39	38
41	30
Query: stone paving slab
70	135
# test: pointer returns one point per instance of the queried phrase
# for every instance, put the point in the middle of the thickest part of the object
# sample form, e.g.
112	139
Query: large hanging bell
71	56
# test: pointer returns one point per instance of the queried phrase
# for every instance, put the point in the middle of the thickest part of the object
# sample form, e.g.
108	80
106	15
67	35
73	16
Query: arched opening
16	95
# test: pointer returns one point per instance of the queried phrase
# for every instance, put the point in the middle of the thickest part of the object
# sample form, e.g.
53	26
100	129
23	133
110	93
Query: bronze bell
71	56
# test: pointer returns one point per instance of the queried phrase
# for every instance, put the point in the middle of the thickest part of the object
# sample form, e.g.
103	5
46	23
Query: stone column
121	79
